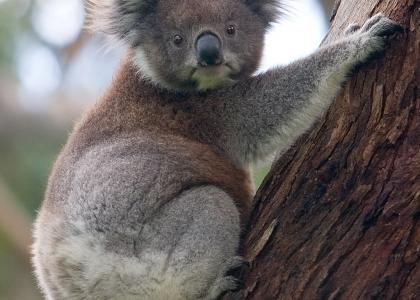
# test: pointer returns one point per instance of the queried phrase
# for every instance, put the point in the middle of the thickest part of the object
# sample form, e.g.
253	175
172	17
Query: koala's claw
372	21
352	29
230	284
373	37
378	25
237	262
223	285
226	282
381	26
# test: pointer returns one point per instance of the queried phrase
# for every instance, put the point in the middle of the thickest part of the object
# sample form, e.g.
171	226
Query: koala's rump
109	217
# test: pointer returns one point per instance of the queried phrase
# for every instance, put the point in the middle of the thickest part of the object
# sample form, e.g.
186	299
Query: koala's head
189	44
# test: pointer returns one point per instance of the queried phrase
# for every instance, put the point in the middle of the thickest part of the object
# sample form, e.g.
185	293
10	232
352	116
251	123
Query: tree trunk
338	217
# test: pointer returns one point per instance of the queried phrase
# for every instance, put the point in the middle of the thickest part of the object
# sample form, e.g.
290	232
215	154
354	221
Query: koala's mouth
211	77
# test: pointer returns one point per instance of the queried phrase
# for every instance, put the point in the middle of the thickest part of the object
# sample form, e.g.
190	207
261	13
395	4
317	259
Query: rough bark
338	217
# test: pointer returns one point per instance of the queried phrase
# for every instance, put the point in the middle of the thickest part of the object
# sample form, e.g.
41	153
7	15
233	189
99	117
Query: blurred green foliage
13	21
16	280
28	148
260	173
25	161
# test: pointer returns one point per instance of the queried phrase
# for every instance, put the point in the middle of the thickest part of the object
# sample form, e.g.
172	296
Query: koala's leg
271	110
182	252
205	249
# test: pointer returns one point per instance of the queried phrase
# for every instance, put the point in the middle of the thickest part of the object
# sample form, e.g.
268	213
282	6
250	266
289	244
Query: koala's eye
178	39
231	30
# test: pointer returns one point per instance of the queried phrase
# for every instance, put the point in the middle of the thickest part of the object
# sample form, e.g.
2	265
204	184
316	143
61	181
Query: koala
149	196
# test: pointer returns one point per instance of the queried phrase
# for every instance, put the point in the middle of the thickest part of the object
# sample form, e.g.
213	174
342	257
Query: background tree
328	5
338	216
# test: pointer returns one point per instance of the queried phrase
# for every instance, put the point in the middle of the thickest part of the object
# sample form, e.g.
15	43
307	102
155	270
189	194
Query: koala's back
128	209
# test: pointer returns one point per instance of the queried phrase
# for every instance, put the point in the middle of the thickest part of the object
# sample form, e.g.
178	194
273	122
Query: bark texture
338	217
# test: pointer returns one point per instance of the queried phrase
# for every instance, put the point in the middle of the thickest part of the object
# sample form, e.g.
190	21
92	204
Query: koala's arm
271	110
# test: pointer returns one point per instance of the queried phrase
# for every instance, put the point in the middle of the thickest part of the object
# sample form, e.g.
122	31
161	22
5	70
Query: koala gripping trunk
339	214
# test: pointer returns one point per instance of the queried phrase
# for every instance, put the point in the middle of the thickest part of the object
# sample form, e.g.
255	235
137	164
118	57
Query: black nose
208	49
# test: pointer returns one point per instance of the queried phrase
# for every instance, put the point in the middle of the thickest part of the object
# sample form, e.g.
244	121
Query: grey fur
161	234
290	99
134	207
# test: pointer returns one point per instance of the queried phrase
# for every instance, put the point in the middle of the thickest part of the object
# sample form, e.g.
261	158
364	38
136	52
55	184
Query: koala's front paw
373	36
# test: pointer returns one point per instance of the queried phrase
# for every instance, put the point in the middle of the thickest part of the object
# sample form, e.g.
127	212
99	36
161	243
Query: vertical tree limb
338	217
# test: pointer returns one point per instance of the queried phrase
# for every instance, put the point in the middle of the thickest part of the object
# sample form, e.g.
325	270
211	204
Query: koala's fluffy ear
118	18
268	10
